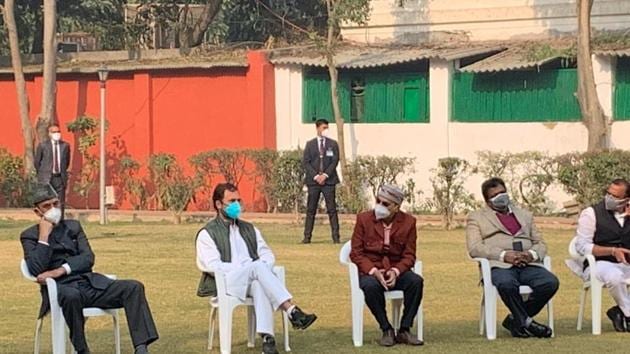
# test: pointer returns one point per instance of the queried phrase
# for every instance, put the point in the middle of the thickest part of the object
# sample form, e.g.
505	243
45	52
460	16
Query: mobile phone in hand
517	246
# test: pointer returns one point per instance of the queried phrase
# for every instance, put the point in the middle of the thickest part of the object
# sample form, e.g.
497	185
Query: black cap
43	192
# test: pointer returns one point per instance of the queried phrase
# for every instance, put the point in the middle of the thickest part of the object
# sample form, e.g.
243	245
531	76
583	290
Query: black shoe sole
610	316
305	325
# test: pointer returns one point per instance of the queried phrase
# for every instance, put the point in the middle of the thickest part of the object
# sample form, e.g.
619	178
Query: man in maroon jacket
384	250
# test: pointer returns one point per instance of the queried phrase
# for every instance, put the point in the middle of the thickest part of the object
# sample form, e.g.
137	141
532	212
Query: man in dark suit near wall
58	249
321	157
52	159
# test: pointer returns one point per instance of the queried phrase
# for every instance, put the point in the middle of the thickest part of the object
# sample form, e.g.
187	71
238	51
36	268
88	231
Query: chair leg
211	324
38	334
116	332
396	309
580	318
491	315
596	307
550	317
251	327
357	321
58	332
420	316
225	329
285	330
482	315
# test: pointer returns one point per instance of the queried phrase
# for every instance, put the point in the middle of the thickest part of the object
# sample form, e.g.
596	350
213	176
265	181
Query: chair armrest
547	263
417	268
51	286
111	276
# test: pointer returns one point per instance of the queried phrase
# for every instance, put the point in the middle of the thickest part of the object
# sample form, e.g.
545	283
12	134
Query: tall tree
20	84
340	11
592	113
49	89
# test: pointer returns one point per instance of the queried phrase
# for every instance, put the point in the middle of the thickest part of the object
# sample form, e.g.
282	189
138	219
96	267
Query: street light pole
102	78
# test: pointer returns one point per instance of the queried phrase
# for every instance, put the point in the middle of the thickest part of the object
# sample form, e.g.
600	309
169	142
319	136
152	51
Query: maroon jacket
367	243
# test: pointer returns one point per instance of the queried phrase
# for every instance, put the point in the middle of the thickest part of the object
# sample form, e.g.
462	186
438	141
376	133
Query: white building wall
427	142
481	19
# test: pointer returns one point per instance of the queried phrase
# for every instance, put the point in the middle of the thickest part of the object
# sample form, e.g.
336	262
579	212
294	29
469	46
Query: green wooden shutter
396	98
316	100
622	90
515	96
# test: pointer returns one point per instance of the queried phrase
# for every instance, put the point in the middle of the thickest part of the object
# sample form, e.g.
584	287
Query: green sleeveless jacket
219	231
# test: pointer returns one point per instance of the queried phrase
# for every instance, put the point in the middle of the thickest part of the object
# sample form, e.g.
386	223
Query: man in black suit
52	159
58	249
321	157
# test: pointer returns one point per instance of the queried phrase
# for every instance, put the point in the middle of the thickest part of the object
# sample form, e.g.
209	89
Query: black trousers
331	208
73	297
59	185
411	285
507	281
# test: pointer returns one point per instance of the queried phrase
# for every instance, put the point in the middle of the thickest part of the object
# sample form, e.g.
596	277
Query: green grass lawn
163	257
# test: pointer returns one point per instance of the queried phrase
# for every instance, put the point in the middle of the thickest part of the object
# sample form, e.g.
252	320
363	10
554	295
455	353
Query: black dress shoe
627	324
616	316
405	337
306	240
141	349
388	339
269	345
301	320
538	330
516	332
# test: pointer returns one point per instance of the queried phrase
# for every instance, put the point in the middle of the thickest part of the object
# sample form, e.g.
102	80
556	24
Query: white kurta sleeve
585	232
208	256
264	252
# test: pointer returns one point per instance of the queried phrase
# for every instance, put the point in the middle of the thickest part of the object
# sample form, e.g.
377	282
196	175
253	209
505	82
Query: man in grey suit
321	157
52	159
507	237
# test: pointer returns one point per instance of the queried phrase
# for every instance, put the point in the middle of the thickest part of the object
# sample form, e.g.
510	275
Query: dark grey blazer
311	161
67	243
44	161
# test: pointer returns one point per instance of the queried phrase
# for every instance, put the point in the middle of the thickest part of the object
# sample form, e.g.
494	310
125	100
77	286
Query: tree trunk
332	71
47	114
592	113
20	85
210	11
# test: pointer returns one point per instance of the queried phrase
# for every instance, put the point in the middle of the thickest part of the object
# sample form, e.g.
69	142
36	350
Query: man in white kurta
245	277
604	231
237	249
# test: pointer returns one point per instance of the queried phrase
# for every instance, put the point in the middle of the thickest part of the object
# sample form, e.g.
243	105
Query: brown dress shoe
406	338
388	338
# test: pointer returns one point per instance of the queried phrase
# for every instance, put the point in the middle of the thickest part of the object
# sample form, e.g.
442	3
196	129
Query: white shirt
319	142
586	230
209	258
55	145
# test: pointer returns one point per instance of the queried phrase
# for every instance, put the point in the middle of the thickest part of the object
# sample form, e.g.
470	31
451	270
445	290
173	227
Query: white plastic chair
224	305
595	285
358	299
58	323
490	295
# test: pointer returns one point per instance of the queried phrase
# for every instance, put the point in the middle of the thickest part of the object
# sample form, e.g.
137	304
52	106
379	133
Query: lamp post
102	78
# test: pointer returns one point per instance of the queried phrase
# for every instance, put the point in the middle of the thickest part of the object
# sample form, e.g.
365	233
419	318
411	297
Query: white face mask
53	215
324	133
381	212
55	136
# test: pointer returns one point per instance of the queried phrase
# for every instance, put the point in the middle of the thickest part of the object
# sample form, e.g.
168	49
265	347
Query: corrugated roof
511	59
367	57
615	52
89	68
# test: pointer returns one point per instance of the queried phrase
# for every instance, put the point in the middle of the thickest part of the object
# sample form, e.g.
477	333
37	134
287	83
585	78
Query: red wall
184	112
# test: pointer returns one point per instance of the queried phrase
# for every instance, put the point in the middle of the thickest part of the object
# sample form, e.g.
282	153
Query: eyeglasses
383	203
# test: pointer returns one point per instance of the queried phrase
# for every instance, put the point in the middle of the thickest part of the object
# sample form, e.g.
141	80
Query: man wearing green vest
236	248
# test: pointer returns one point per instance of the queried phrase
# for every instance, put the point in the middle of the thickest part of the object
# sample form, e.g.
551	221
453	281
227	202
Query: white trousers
262	285
615	277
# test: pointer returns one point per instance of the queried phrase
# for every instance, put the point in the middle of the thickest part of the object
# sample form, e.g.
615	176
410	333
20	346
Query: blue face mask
233	210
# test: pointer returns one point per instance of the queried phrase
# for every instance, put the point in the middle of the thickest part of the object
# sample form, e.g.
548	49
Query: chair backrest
25	272
344	254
